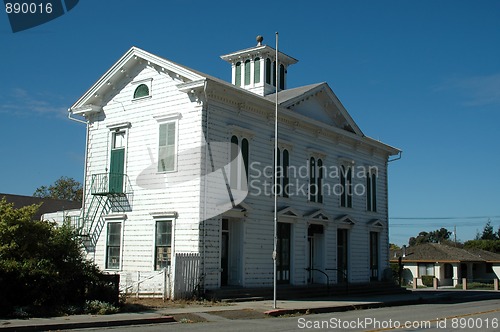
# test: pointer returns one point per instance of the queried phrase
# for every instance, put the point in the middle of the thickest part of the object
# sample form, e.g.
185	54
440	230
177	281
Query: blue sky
423	76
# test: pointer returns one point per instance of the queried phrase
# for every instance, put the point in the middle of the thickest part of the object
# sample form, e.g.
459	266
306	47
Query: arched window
237	76
268	71
274	73
371	191
319	181
286	180
282	77
256	74
346	186
313	190
239	168
141	91
247	72
315	180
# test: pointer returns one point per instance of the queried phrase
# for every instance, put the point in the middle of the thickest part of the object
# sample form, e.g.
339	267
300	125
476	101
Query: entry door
224	260
117	163
283	253
342	255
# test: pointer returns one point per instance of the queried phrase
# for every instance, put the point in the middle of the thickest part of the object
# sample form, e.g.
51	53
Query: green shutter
247	72
268	71
282	77
237	76
256	78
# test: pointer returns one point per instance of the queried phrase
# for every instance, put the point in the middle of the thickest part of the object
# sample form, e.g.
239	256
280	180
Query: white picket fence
158	284
187	275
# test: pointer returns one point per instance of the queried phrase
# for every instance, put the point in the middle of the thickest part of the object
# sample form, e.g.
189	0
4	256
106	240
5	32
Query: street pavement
312	305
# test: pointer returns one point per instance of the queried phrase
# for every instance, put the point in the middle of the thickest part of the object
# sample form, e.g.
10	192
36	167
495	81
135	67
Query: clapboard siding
196	203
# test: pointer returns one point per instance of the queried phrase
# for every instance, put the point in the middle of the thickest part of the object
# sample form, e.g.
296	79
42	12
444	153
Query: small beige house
448	264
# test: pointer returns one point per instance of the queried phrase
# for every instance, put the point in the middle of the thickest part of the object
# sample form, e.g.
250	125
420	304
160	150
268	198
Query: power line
442	218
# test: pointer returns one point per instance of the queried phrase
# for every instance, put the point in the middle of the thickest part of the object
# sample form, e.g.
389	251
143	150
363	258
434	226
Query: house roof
435	252
91	100
48	204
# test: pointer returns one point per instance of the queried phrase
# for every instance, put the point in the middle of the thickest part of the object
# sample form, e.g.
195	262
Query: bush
96	307
428	281
42	267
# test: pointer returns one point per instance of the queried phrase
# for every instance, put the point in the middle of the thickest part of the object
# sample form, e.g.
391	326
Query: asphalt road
470	316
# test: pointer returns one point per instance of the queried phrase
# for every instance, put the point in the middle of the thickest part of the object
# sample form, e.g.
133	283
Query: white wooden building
179	173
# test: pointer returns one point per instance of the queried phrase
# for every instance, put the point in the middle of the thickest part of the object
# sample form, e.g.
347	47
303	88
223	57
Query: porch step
289	292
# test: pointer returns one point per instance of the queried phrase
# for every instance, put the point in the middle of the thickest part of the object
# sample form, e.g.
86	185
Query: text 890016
28	8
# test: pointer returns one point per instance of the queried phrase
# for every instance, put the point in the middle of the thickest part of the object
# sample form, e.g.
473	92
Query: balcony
105	184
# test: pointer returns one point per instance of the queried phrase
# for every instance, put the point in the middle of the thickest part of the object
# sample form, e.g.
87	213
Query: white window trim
163	216
148	82
114	219
240	135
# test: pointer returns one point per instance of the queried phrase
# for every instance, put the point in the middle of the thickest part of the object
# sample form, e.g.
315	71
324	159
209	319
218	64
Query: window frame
239	185
346	182
114	246
175	145
371	191
148	83
316	177
168	246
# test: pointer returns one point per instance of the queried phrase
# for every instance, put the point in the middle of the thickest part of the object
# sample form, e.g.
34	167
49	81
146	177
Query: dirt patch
240	314
153	303
188	318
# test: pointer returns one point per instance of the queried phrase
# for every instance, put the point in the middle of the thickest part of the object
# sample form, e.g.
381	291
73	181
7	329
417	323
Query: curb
84	325
323	310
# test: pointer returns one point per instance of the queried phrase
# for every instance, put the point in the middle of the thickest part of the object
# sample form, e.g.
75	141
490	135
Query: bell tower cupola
254	69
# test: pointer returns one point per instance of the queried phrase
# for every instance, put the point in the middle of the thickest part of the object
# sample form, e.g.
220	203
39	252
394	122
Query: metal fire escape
109	195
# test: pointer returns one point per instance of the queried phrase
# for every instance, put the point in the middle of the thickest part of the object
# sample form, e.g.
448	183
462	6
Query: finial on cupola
259	40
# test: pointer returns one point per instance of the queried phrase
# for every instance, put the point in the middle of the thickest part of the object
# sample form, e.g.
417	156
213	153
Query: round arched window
141	91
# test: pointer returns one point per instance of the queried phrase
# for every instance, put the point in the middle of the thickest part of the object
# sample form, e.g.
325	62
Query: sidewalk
244	310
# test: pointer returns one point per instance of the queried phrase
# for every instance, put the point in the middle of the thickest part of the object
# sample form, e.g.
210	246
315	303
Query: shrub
42	267
96	307
428	281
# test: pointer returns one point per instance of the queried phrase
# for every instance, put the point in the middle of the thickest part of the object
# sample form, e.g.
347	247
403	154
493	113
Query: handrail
108	183
344	274
326	275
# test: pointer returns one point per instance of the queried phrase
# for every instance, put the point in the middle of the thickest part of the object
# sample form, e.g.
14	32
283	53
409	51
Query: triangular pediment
376	223
288	212
319	215
124	69
345	220
319	102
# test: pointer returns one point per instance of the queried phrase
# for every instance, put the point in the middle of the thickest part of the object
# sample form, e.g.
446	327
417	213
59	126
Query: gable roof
48	204
291	98
91	101
435	252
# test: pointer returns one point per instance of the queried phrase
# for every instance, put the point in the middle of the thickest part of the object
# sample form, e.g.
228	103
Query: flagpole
275	175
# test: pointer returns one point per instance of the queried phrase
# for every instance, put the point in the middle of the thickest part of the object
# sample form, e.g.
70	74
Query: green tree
41	266
63	188
437	236
488	245
488	232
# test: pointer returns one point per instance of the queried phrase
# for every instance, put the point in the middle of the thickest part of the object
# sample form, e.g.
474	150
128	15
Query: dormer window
141	91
